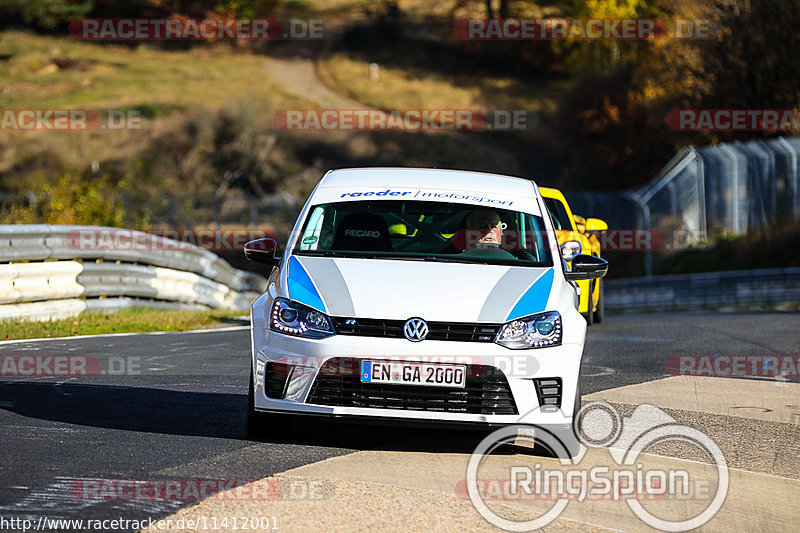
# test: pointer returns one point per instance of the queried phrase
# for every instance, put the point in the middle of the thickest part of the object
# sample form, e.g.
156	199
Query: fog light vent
276	377
548	390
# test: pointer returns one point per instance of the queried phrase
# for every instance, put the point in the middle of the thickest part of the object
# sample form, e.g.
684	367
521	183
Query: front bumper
520	368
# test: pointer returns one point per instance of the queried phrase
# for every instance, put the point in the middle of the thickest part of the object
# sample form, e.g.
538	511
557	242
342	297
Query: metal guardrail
50	274
706	191
738	288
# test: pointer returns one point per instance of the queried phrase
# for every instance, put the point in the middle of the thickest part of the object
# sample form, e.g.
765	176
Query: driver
484	229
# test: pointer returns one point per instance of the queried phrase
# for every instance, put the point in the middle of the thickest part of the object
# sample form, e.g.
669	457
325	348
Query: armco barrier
712	290
49	274
40	242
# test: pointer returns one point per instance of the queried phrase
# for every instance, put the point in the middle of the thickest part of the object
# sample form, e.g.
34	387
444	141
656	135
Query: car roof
433	178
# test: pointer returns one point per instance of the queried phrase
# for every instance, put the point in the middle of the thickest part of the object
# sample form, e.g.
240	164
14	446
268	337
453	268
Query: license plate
401	373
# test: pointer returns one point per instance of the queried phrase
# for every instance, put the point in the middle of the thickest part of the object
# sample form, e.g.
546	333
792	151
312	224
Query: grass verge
157	87
136	320
413	88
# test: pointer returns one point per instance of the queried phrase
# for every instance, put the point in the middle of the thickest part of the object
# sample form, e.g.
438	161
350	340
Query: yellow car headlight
569	250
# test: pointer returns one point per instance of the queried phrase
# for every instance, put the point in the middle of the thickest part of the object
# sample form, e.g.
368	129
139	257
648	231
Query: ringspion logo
630	477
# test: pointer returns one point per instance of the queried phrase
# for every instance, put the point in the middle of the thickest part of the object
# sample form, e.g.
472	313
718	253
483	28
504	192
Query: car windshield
558	213
425	231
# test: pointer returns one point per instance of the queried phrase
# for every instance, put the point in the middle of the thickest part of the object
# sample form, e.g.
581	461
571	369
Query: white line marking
210	330
603	371
729	467
635	339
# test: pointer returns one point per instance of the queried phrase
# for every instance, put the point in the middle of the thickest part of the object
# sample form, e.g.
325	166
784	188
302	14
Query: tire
589	315
601	311
261	425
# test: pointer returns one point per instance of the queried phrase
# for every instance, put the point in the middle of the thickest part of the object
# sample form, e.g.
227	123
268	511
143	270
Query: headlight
535	331
570	249
293	318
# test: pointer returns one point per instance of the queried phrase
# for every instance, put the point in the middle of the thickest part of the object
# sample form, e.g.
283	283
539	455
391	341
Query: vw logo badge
415	329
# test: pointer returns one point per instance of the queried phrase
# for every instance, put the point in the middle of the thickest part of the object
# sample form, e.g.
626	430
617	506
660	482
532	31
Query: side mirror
595	224
580	223
262	251
587	267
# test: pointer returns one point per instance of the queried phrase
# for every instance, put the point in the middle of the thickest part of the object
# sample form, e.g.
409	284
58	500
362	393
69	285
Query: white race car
419	295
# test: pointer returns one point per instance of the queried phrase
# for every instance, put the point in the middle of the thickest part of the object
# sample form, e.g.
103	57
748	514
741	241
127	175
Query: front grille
437	331
486	392
548	391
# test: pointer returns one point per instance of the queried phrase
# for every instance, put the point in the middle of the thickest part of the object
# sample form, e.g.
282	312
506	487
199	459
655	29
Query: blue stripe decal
535	298
301	289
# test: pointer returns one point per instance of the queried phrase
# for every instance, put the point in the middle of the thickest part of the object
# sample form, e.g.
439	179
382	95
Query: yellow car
577	235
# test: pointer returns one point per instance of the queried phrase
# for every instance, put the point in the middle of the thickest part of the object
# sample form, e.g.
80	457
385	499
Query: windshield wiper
450	259
336	253
319	253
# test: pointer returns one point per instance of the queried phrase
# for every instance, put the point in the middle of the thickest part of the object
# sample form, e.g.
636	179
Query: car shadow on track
218	415
129	408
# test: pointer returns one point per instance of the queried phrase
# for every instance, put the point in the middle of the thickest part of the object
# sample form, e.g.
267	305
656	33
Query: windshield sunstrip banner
424	195
329	195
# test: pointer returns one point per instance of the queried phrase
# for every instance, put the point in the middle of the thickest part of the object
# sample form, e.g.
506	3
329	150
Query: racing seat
362	232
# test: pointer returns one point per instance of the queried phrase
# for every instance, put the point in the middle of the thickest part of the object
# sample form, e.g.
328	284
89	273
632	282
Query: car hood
396	289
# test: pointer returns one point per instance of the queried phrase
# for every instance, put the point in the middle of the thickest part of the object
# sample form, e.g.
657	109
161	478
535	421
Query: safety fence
711	290
729	188
49	272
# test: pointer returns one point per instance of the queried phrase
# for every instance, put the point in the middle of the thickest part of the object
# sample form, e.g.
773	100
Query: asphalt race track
171	406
